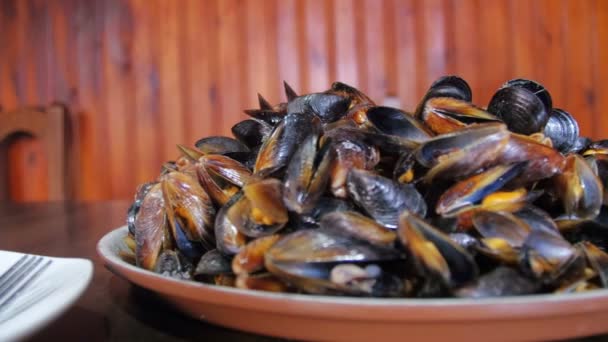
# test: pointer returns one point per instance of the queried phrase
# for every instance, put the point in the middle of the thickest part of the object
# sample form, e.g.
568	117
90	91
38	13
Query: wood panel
144	75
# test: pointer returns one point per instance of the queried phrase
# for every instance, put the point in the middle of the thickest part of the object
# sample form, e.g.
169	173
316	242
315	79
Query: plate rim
500	308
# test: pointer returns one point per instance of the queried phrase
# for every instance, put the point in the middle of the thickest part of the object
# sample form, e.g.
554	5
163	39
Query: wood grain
578	73
346	42
144	75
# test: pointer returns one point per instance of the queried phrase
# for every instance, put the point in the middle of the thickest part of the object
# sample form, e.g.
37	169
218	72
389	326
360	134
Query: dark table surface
111	308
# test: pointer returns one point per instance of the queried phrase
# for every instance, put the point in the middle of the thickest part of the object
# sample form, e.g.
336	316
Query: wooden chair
47	124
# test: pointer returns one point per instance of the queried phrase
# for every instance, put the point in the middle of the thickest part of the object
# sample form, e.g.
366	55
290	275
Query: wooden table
111	308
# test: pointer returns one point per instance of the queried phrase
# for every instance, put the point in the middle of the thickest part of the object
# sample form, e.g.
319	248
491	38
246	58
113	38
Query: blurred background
140	76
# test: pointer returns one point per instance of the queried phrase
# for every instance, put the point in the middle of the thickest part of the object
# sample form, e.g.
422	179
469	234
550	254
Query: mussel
279	147
307	258
563	130
382	198
446	86
520	108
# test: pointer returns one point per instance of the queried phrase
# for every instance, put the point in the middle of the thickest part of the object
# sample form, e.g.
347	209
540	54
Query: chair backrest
49	125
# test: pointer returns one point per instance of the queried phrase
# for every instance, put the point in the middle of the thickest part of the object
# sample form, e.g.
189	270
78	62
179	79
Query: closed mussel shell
533	86
327	107
520	109
563	130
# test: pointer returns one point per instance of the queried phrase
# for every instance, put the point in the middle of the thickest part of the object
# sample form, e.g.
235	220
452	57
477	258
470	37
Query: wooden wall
144	75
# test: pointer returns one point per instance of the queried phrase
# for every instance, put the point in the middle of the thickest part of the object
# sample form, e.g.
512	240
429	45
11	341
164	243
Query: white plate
308	317
53	292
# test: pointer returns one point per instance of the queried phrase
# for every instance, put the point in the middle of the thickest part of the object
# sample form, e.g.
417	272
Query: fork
19	276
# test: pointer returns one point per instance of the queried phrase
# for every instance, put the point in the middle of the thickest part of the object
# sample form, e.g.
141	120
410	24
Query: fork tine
13	268
29	279
18	275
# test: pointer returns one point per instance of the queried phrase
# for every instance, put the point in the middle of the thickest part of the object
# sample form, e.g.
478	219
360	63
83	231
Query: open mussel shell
227	168
520	109
486	135
446	86
474	189
499	250
382	198
252	132
446	114
579	189
267	113
356	96
259	211
393	121
597	259
270	116
537	219
462	153
229	240
563	130
451	86
190	248
149	228
581	145
189	206
140	194
307	174
542	161
324	205
351	223
405	168
435	252
502	225
350	152
220	145
596	147
221	176
286	137
250	259
219	190
549	257
306	258
599	164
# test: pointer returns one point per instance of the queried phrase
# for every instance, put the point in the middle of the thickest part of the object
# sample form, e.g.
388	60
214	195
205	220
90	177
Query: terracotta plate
538	317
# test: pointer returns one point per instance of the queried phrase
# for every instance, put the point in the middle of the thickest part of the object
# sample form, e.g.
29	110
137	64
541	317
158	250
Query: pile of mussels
330	193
